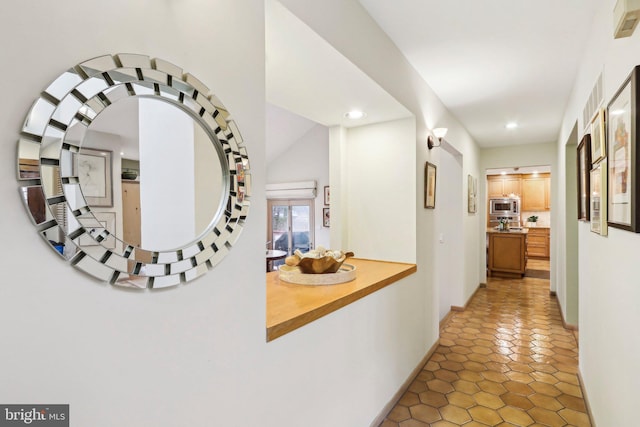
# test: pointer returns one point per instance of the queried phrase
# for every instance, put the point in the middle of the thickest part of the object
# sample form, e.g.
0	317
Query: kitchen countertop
509	231
290	306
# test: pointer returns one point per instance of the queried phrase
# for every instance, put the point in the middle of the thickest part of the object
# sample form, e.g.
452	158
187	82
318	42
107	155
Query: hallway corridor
505	361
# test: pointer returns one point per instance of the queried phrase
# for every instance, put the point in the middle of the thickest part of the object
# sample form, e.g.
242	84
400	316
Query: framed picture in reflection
95	223
94	171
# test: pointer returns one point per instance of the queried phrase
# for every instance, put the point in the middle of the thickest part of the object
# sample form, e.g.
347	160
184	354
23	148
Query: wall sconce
439	134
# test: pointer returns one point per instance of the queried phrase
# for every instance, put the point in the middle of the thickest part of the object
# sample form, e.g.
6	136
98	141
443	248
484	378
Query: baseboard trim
457	308
405	386
445	319
566	325
586	398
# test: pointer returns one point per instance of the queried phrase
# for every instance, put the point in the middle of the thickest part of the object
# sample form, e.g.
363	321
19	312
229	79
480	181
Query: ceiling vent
626	14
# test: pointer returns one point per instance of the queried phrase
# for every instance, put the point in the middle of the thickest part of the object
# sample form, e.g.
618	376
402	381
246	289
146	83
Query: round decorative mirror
133	173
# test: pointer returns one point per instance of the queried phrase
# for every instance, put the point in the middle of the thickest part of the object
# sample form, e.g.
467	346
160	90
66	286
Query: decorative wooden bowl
346	273
323	265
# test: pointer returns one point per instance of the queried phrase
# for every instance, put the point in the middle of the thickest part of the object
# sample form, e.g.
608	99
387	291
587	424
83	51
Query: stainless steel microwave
504	206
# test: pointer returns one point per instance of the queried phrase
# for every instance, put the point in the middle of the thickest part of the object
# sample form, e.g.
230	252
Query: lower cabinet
538	243
507	254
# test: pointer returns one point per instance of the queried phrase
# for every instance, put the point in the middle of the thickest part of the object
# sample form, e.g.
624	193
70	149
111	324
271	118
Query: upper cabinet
504	185
533	190
536	192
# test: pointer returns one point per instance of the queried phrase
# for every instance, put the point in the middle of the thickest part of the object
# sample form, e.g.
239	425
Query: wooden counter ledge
290	306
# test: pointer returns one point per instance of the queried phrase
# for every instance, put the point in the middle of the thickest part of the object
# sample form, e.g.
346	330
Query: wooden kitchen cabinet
547	194
507	255
538	242
503	185
536	193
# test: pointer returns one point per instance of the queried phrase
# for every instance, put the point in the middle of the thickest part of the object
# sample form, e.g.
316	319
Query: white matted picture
326	222
94	173
624	162
430	185
598	137
327	196
598	201
472	194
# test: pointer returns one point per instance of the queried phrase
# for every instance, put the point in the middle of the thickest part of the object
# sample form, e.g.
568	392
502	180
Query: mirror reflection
150	174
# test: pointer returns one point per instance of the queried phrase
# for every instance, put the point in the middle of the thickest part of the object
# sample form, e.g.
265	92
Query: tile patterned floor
505	361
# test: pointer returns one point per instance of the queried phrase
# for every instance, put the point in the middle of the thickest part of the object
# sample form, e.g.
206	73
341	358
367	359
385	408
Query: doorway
290	226
530	186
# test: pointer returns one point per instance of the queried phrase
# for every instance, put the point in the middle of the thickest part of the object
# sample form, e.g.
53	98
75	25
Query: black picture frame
623	211
430	176
326	217
583	157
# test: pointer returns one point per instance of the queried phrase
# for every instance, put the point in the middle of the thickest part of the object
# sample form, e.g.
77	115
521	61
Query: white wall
380	202
167	187
608	266
305	160
189	356
373	52
449	244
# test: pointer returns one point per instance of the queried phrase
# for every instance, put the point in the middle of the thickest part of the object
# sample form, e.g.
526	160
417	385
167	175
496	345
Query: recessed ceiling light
355	115
511	125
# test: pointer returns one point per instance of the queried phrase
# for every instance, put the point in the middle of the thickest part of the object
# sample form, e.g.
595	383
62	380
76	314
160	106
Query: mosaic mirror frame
46	171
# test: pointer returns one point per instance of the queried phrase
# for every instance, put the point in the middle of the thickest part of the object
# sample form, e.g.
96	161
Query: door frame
290	203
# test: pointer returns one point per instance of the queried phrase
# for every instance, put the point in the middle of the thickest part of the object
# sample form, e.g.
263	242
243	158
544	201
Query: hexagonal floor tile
488	400
515	416
426	414
504	361
546	417
433	398
485	415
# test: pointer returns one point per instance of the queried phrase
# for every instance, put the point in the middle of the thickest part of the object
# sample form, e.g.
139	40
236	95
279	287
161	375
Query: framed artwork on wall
430	185
598	137
326	218
622	155
598	200
584	162
94	173
327	196
472	194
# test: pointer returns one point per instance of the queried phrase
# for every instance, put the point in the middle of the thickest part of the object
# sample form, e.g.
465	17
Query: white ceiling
489	61
307	76
494	61
283	129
